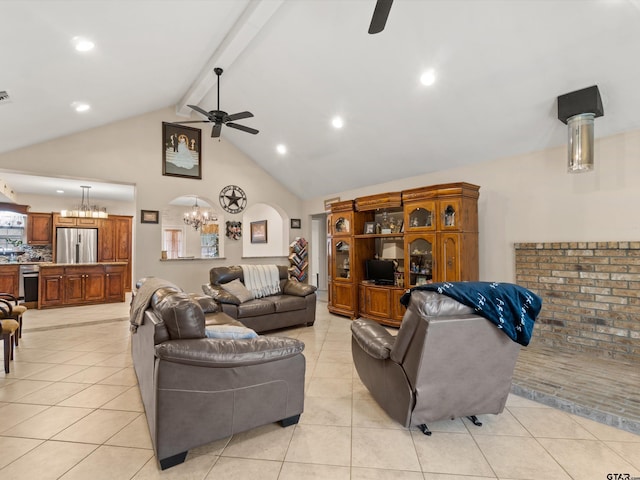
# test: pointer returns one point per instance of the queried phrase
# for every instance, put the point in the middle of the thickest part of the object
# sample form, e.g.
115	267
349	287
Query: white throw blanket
261	280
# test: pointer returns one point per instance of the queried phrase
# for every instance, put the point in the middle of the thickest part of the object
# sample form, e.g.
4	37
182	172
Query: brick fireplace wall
590	293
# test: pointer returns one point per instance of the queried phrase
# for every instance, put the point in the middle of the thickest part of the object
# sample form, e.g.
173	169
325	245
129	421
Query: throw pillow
237	289
230	332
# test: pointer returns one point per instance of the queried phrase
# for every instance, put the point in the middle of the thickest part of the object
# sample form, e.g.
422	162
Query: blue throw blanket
512	308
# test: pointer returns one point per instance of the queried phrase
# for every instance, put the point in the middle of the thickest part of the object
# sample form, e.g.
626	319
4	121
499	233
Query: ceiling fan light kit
578	110
219	117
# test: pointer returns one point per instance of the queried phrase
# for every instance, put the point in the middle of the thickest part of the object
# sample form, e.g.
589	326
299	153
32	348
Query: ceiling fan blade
243	128
215	131
198	109
380	15
237	116
195	121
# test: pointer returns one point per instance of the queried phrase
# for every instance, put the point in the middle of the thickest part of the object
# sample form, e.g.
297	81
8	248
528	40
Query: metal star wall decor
233	199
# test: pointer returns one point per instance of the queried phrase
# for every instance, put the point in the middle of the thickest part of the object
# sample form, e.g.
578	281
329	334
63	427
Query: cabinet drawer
84	270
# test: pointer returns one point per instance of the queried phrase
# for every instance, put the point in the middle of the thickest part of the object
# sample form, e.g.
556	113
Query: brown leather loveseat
196	390
294	303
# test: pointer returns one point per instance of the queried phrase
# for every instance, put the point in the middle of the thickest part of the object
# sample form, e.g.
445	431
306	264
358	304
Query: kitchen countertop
43	264
25	263
51	264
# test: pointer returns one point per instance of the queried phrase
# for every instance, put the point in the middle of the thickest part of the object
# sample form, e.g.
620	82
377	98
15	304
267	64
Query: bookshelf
298	259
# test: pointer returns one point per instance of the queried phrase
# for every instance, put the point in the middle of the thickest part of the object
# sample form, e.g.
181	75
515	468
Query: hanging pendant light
85	209
198	218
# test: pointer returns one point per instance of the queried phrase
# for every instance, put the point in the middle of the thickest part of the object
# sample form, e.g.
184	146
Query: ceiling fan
380	15
219	117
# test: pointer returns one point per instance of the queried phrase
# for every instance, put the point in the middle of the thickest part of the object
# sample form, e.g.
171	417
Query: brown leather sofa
446	362
294	305
196	390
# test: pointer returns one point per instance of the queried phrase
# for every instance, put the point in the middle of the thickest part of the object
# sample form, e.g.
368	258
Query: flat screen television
381	272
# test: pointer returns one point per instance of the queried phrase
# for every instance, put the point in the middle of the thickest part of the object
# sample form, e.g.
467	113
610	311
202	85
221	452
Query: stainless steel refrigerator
76	245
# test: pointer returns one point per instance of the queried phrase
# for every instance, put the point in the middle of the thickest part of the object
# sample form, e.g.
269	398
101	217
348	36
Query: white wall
529	198
131	151
532	198
277	235
51	203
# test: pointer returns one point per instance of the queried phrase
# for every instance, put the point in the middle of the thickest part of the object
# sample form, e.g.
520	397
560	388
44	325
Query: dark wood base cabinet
64	286
381	303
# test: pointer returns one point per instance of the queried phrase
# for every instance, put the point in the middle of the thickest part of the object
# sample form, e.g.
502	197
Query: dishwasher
29	282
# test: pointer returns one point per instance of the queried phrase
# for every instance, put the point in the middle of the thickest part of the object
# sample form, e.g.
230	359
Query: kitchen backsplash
32	253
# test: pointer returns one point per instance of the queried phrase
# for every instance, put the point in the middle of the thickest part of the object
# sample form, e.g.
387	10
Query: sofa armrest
209	352
373	338
219	294
298	289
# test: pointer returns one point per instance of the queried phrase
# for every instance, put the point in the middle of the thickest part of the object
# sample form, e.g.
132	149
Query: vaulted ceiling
295	64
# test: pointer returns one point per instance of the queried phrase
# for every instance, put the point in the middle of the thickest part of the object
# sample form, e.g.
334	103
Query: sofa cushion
288	303
208	352
207	303
256	308
237	289
220	318
299	289
219	294
182	316
229	332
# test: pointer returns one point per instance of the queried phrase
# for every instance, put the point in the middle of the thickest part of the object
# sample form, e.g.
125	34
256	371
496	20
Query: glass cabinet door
341	223
420	259
420	217
449	214
341	260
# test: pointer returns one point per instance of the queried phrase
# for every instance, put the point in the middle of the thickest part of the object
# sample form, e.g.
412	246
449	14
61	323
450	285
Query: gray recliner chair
444	363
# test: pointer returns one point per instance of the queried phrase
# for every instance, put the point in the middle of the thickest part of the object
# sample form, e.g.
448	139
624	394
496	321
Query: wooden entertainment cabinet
431	233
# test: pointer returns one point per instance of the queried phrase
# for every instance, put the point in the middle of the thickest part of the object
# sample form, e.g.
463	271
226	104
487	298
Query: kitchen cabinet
9	279
114	243
84	285
70	285
114	283
51	287
80	222
39	228
106	241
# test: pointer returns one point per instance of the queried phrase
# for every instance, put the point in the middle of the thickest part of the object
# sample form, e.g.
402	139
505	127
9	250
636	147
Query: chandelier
198	218
85	209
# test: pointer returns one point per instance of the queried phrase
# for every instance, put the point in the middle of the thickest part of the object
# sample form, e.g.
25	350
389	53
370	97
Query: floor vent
4	97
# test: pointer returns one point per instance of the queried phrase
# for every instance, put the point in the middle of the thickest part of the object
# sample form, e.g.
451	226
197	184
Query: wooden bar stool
15	312
9	329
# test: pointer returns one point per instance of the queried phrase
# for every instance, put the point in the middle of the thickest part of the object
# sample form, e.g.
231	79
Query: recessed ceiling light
59	191
82	44
281	149
428	77
80	106
337	122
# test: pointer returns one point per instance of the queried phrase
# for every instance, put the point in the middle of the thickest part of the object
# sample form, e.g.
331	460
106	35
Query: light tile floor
70	409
